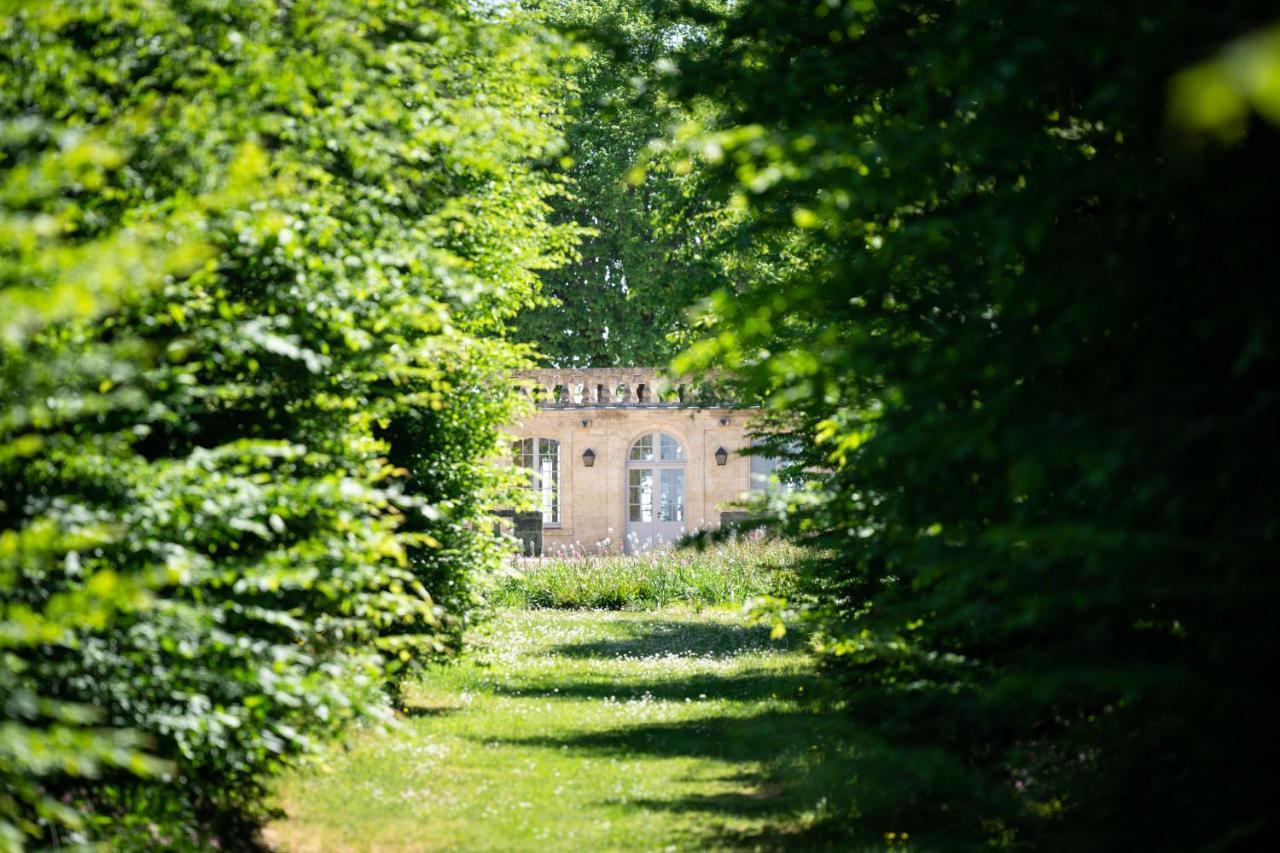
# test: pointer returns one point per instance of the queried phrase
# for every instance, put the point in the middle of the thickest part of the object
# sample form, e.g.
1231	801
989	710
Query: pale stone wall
593	501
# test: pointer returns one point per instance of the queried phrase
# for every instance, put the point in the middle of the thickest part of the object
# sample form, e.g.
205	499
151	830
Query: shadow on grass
754	685
661	639
658	637
725	738
781	832
806	781
803	776
792	764
413	711
784	762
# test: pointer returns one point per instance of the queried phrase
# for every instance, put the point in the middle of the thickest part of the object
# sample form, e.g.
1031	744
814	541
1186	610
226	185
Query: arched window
656	447
542	457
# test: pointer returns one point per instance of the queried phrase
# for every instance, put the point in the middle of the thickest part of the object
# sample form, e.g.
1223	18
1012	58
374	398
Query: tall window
655	480
765	476
542	457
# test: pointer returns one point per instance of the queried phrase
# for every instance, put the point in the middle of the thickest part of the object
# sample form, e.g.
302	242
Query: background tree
1027	335
647	257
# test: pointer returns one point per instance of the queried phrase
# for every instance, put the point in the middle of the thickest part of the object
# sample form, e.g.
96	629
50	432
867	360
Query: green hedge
1019	309
257	258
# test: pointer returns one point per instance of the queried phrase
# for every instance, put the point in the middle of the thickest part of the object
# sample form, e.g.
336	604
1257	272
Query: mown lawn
588	730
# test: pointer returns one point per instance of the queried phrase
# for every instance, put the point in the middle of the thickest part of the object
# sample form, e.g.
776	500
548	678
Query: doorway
655	492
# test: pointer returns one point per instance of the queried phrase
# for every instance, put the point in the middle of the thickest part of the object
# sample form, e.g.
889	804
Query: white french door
655	493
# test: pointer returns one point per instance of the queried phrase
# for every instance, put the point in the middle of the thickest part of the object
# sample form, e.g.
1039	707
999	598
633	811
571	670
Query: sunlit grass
587	730
728	573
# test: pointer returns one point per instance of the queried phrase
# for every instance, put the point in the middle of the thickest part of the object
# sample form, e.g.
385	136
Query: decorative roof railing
614	387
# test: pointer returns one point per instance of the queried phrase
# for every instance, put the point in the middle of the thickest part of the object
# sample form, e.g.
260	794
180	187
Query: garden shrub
257	261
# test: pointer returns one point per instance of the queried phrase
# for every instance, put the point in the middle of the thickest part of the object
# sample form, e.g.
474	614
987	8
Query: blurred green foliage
1022	321
256	261
1216	96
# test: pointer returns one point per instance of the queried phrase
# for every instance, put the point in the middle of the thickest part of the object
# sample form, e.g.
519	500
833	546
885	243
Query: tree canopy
646	254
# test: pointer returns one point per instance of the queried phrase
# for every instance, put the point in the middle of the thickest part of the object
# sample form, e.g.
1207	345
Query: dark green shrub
1024	322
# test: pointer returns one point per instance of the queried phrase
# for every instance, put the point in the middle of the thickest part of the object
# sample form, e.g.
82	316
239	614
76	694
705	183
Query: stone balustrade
612	386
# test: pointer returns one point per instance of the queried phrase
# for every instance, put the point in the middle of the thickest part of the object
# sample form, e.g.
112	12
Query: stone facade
606	411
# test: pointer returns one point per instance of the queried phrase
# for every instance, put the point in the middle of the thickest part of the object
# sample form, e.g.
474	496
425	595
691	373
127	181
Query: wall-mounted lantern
588	457
724	421
722	457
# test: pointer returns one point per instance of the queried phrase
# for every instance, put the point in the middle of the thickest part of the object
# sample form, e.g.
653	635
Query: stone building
623	461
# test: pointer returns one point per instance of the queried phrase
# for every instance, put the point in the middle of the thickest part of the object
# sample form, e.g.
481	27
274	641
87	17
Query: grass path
585	730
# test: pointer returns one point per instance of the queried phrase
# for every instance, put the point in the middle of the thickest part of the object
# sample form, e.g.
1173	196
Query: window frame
530	453
662	456
661	447
764	478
